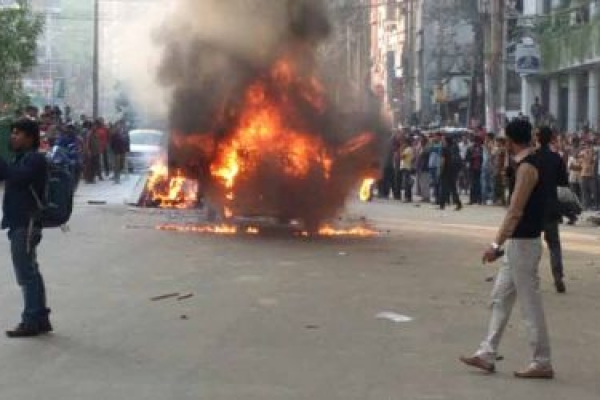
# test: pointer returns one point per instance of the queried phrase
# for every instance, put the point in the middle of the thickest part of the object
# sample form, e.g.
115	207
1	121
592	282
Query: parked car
146	147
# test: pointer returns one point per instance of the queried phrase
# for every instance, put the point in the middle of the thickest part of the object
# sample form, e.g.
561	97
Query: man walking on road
519	279
26	175
555	175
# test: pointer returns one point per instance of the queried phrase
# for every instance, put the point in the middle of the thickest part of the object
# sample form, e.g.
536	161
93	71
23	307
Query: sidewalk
107	192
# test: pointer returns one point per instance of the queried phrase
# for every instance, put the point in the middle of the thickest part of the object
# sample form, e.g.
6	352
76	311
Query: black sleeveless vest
531	224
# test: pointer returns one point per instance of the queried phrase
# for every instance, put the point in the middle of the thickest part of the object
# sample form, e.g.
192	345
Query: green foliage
19	31
563	45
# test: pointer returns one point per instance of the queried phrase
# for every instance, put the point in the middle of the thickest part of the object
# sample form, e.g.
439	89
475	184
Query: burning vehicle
252	129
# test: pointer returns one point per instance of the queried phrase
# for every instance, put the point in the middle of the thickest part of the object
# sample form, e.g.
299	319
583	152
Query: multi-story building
569	36
387	44
63	75
438	63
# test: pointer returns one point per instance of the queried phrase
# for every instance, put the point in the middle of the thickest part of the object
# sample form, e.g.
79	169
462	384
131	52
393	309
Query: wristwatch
498	249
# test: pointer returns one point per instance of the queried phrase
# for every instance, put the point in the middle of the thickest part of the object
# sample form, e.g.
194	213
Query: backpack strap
36	198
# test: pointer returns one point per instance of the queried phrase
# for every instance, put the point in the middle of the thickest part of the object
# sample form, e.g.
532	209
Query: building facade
438	63
63	75
567	87
387	24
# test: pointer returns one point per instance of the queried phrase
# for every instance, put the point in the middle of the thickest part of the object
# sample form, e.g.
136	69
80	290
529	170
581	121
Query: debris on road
164	296
185	296
393	317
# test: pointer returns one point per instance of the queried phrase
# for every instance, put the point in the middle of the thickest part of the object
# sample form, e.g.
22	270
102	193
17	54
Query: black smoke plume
213	50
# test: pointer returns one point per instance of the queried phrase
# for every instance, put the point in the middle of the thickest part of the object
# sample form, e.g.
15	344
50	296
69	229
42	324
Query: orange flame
170	189
366	190
263	134
269	132
231	230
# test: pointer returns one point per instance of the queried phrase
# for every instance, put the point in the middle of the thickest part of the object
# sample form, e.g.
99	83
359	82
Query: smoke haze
211	53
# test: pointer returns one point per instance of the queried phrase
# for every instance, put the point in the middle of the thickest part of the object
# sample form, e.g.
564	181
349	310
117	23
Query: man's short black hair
545	135
30	128
519	131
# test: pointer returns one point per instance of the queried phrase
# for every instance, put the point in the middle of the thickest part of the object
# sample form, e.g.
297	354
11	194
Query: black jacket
553	174
28	170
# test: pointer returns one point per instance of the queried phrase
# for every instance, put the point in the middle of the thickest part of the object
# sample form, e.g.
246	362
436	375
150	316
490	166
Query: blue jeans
23	245
487	185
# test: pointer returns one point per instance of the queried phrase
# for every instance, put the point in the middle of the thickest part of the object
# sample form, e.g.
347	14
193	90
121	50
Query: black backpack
56	205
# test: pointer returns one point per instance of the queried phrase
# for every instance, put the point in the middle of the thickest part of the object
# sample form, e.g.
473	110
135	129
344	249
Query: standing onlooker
103	135
588	180
574	167
25	177
386	183
118	145
475	161
555	175
435	163
92	151
451	165
406	167
423	174
537	112
500	161
463	176
487	171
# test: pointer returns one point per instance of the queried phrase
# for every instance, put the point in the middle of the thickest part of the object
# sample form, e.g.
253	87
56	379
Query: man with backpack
25	179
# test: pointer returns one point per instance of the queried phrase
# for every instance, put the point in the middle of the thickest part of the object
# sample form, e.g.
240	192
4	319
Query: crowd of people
93	148
441	167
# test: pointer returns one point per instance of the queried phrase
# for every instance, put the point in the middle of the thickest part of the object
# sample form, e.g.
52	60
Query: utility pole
409	73
504	68
96	61
495	65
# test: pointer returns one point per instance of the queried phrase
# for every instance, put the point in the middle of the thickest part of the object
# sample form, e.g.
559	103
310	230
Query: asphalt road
288	318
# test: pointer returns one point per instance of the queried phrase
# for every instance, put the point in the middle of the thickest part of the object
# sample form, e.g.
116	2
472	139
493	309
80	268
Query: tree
18	44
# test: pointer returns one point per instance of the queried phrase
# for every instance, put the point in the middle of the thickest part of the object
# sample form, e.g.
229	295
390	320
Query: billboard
528	59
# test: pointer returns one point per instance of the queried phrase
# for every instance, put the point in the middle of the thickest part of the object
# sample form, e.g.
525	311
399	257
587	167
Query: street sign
528	58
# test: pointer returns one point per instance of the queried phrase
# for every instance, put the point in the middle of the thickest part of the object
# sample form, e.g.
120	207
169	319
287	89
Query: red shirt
102	134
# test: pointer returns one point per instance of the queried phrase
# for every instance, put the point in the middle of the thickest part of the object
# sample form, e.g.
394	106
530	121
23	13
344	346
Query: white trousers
519	279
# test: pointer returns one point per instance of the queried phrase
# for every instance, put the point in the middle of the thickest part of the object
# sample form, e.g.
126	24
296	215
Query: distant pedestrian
118	146
423	175
555	175
386	183
475	162
406	169
500	161
451	166
588	180
93	151
487	171
574	166
25	178
103	136
435	165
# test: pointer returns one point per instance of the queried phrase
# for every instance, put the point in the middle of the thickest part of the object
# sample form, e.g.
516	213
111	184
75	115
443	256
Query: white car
146	147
